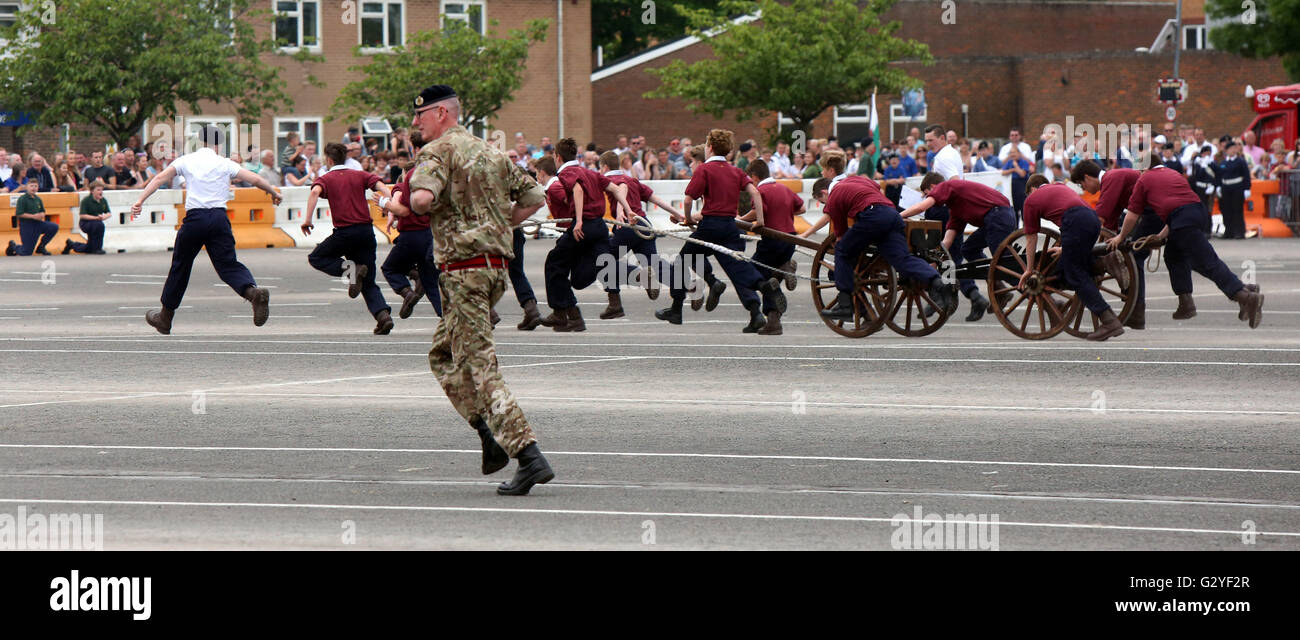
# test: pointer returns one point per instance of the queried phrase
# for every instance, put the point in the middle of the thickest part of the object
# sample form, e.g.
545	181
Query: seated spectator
291	149
381	165
1017	168
141	171
368	164
894	178
91	216
16	177
984	158
40	173
641	168
799	164
401	142
269	171
65	178
123	172
98	171
663	169
296	174
1277	160
922	161
1293	158
399	167
315	170
34	230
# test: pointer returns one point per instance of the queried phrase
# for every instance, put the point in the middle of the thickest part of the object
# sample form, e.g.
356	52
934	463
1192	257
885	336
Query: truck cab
1278	114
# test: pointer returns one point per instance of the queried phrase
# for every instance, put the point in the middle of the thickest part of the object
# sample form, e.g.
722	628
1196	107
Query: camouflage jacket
474	187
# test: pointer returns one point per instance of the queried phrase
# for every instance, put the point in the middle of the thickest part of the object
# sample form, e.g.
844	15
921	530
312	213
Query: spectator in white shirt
269	171
1194	148
622	147
782	160
1016	141
5	169
947	160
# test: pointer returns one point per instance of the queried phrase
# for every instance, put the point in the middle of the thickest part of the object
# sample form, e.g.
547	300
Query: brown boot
384	322
773	326
1241	313
410	298
532	319
1186	307
261	299
1252	305
160	320
494	317
1138	319
615	308
556	318
1109	328
416	283
572	321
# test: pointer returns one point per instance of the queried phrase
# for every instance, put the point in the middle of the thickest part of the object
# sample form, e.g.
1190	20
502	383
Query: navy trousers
1188	250
572	263
518	279
356	243
411	249
204	229
940	212
775	253
879	225
94	230
999	223
624	240
1232	206
1080	227
719	230
1148	224
29	231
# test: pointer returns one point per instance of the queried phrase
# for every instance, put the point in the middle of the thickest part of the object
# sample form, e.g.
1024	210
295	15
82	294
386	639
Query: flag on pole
875	132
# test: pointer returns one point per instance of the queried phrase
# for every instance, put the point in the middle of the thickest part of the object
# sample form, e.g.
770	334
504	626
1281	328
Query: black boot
1186	307
672	314
772	288
494	457
978	306
261	299
533	469
716	289
944	295
1251	305
1137	319
358	279
1241	312
416	283
842	309
756	320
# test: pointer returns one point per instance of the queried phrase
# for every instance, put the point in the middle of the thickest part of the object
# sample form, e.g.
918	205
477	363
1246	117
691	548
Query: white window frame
1202	34
483	15
195	122
782	122
862	119
275	14
361	17
12	17
302	136
896	116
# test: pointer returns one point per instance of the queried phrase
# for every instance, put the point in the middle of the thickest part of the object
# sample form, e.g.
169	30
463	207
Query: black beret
435	93
1229	143
745	147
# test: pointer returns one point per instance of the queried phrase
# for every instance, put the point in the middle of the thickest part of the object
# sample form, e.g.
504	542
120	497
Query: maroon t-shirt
1162	189
557	202
719	184
637	192
402	193
1116	191
593	189
779	205
850	197
346	191
967	201
1049	202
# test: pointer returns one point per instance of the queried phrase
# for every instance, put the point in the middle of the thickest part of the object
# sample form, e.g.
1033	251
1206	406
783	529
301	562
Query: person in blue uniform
1232	185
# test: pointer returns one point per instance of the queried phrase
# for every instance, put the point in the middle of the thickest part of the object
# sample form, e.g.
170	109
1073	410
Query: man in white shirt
5	169
947	163
1194	149
781	160
1017	141
354	152
207	179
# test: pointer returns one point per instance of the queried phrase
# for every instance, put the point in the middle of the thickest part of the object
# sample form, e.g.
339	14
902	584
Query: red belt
477	262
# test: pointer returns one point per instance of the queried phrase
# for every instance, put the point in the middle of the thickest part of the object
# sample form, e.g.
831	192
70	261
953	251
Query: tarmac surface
312	433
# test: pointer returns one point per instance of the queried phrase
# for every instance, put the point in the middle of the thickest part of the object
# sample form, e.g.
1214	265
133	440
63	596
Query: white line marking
595	512
10	318
184	306
38	273
321	304
138	275
32	309
131	282
249	317
264	286
130	316
635	454
19	280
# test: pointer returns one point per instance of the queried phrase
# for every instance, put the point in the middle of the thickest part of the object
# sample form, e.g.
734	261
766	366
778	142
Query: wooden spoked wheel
1121	300
873	294
907	316
1044	307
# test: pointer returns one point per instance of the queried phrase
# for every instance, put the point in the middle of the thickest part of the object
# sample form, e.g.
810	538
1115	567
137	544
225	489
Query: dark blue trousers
356	243
625	241
999	223
1148	224
775	253
879	225
30	230
411	249
572	263
518	279
94	230
719	230
204	229
1080	227
940	212
1187	250
1232	205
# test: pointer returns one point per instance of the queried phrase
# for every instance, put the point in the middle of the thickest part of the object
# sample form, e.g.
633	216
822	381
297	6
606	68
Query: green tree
112	64
801	58
485	71
623	27
1259	29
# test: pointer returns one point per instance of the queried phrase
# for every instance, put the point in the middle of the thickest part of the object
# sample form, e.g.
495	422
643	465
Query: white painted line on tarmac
250	317
633	454
39	273
131	282
138	275
31	309
20	280
184	306
597	512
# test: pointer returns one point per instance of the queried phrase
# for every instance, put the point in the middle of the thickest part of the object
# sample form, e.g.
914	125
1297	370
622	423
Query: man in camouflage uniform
467	189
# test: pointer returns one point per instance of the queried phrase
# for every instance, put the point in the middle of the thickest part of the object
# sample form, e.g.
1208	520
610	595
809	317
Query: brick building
1011	62
560	65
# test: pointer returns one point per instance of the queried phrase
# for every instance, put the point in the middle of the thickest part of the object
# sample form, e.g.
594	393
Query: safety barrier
252	220
289	217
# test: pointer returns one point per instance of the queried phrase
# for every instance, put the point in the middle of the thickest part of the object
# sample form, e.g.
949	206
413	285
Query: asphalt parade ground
312	433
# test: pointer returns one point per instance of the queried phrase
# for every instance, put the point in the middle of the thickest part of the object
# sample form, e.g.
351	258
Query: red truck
1278	118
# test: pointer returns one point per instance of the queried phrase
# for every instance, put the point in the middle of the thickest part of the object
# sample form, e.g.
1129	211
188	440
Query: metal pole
1178	35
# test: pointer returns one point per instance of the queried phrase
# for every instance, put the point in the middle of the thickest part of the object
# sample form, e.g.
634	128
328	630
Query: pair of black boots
533	467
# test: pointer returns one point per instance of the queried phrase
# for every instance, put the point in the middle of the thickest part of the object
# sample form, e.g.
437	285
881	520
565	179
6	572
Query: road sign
1171	91
1171	114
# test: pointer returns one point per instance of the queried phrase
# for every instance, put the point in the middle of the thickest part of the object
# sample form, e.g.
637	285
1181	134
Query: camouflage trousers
464	359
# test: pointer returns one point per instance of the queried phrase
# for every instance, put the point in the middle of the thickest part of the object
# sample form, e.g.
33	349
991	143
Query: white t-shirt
351	163
1026	152
207	178
947	163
